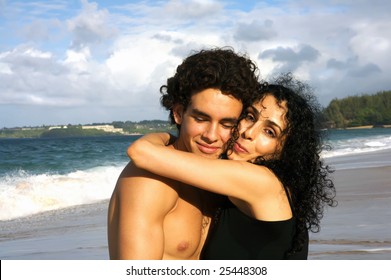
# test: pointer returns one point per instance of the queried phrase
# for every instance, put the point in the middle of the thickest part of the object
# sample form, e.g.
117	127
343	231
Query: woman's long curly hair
220	68
299	166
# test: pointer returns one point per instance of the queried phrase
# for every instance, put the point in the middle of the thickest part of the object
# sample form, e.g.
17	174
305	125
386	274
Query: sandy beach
358	228
76	233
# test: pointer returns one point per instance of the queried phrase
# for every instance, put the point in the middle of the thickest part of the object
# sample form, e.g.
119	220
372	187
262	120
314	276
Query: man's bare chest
185	229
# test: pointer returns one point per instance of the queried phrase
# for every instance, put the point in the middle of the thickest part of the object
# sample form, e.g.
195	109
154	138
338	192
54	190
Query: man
152	217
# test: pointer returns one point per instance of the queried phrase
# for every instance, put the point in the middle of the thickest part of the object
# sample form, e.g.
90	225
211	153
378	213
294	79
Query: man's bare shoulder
137	210
145	188
130	170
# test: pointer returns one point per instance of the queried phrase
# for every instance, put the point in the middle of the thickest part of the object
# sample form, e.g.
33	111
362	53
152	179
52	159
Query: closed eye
228	125
200	119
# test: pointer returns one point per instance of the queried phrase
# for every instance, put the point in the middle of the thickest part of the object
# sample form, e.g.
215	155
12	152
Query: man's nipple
183	246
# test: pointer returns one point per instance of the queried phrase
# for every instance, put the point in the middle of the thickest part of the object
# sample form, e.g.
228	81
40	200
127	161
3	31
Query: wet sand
76	233
360	226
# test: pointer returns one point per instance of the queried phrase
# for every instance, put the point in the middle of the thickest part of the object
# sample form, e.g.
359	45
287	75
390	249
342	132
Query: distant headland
353	112
95	129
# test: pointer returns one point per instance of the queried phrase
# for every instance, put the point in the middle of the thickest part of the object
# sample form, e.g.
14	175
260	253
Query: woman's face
260	132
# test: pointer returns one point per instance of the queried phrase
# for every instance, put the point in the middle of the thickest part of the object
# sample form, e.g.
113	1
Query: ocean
42	178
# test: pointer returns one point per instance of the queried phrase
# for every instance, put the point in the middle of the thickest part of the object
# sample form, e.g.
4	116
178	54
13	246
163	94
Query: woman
276	183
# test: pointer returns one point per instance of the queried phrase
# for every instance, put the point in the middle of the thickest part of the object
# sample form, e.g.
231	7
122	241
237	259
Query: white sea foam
24	194
375	144
386	249
357	146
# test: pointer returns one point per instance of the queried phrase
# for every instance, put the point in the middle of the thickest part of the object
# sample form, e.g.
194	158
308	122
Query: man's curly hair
299	167
219	68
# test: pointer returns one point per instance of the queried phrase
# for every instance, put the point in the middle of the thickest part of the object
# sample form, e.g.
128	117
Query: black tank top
236	236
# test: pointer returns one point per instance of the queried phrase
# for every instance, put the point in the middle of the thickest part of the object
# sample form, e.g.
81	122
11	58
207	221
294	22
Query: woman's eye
250	117
270	132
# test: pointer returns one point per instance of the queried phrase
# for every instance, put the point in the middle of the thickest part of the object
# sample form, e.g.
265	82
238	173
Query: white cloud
255	31
196	9
90	27
102	61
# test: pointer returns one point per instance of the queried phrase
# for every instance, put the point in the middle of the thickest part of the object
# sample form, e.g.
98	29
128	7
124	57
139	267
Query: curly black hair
299	166
219	68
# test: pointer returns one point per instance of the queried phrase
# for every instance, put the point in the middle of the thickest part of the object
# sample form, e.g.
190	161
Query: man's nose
211	133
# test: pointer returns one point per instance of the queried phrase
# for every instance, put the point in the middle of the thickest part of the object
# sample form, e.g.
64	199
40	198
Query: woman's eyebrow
274	124
254	111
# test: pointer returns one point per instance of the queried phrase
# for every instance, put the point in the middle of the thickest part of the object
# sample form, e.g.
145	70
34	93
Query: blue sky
85	61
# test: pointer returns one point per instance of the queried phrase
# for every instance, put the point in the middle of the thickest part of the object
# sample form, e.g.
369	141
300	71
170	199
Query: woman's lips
239	148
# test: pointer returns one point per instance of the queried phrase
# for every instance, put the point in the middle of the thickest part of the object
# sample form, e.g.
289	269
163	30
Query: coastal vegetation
350	112
22	132
96	129
358	111
72	131
145	126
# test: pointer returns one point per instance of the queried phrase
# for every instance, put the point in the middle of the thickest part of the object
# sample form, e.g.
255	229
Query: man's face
207	122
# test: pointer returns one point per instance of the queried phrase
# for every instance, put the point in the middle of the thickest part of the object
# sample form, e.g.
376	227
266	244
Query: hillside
96	129
353	111
363	110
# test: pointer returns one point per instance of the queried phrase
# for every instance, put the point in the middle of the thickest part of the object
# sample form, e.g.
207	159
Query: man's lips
207	149
239	148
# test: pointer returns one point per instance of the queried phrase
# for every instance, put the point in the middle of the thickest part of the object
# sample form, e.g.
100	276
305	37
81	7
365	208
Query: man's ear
178	113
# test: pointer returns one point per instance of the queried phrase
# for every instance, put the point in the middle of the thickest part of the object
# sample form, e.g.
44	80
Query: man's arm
139	204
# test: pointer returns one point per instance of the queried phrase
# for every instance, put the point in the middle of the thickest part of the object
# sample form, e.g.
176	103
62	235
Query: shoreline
28	136
372	159
362	127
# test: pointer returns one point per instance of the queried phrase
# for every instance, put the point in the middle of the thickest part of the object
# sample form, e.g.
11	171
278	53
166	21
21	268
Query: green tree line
72	131
360	110
145	126
351	111
69	130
